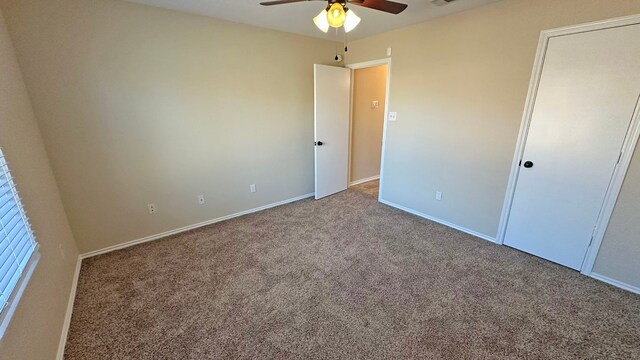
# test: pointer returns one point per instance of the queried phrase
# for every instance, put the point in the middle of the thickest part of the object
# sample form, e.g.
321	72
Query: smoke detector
441	2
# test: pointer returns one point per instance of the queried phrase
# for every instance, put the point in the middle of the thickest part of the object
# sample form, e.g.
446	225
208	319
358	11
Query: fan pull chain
346	48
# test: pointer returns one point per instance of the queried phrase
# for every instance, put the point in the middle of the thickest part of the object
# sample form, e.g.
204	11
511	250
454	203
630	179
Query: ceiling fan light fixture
321	21
351	21
336	15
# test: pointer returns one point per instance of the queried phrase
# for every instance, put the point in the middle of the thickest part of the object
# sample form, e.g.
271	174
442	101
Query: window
17	243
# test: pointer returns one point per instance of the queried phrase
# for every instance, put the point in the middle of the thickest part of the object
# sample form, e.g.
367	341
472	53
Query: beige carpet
368	188
342	278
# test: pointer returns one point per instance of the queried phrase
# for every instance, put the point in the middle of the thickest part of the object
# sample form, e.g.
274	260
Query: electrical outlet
375	104
152	209
201	199
252	187
439	195
393	116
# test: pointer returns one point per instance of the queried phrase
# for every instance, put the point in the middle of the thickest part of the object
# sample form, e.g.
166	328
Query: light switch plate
393	116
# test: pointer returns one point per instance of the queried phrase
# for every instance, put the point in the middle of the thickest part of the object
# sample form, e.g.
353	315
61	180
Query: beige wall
459	86
36	326
139	104
369	84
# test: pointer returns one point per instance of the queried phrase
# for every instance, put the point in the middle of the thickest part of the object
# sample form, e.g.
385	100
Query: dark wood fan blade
382	5
279	2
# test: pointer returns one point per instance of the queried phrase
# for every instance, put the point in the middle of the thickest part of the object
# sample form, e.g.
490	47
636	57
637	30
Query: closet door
589	88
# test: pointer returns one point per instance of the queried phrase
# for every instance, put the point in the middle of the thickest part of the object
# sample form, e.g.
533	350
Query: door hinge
619	158
593	234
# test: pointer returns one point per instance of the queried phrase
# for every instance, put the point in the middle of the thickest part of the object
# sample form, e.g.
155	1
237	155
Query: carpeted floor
368	188
342	278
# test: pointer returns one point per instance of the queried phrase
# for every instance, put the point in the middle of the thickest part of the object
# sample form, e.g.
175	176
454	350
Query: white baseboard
440	221
616	283
67	317
362	181
190	227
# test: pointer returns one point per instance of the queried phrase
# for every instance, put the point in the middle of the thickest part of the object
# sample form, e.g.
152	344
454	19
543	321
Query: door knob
318	143
528	164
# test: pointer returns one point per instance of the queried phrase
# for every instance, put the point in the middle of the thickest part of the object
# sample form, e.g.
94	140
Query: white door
331	119
583	108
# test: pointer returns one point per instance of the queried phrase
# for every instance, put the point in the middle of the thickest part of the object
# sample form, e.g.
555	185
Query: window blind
17	242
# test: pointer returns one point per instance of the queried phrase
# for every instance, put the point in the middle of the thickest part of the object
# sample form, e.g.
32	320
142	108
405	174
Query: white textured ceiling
296	18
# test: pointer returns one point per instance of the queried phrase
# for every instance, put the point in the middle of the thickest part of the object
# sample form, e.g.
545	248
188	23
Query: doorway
368	113
349	150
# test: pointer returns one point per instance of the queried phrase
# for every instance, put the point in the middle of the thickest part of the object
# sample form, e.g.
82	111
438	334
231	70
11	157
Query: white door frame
363	65
627	150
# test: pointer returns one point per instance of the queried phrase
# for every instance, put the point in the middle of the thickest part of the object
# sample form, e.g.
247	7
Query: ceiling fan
337	14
